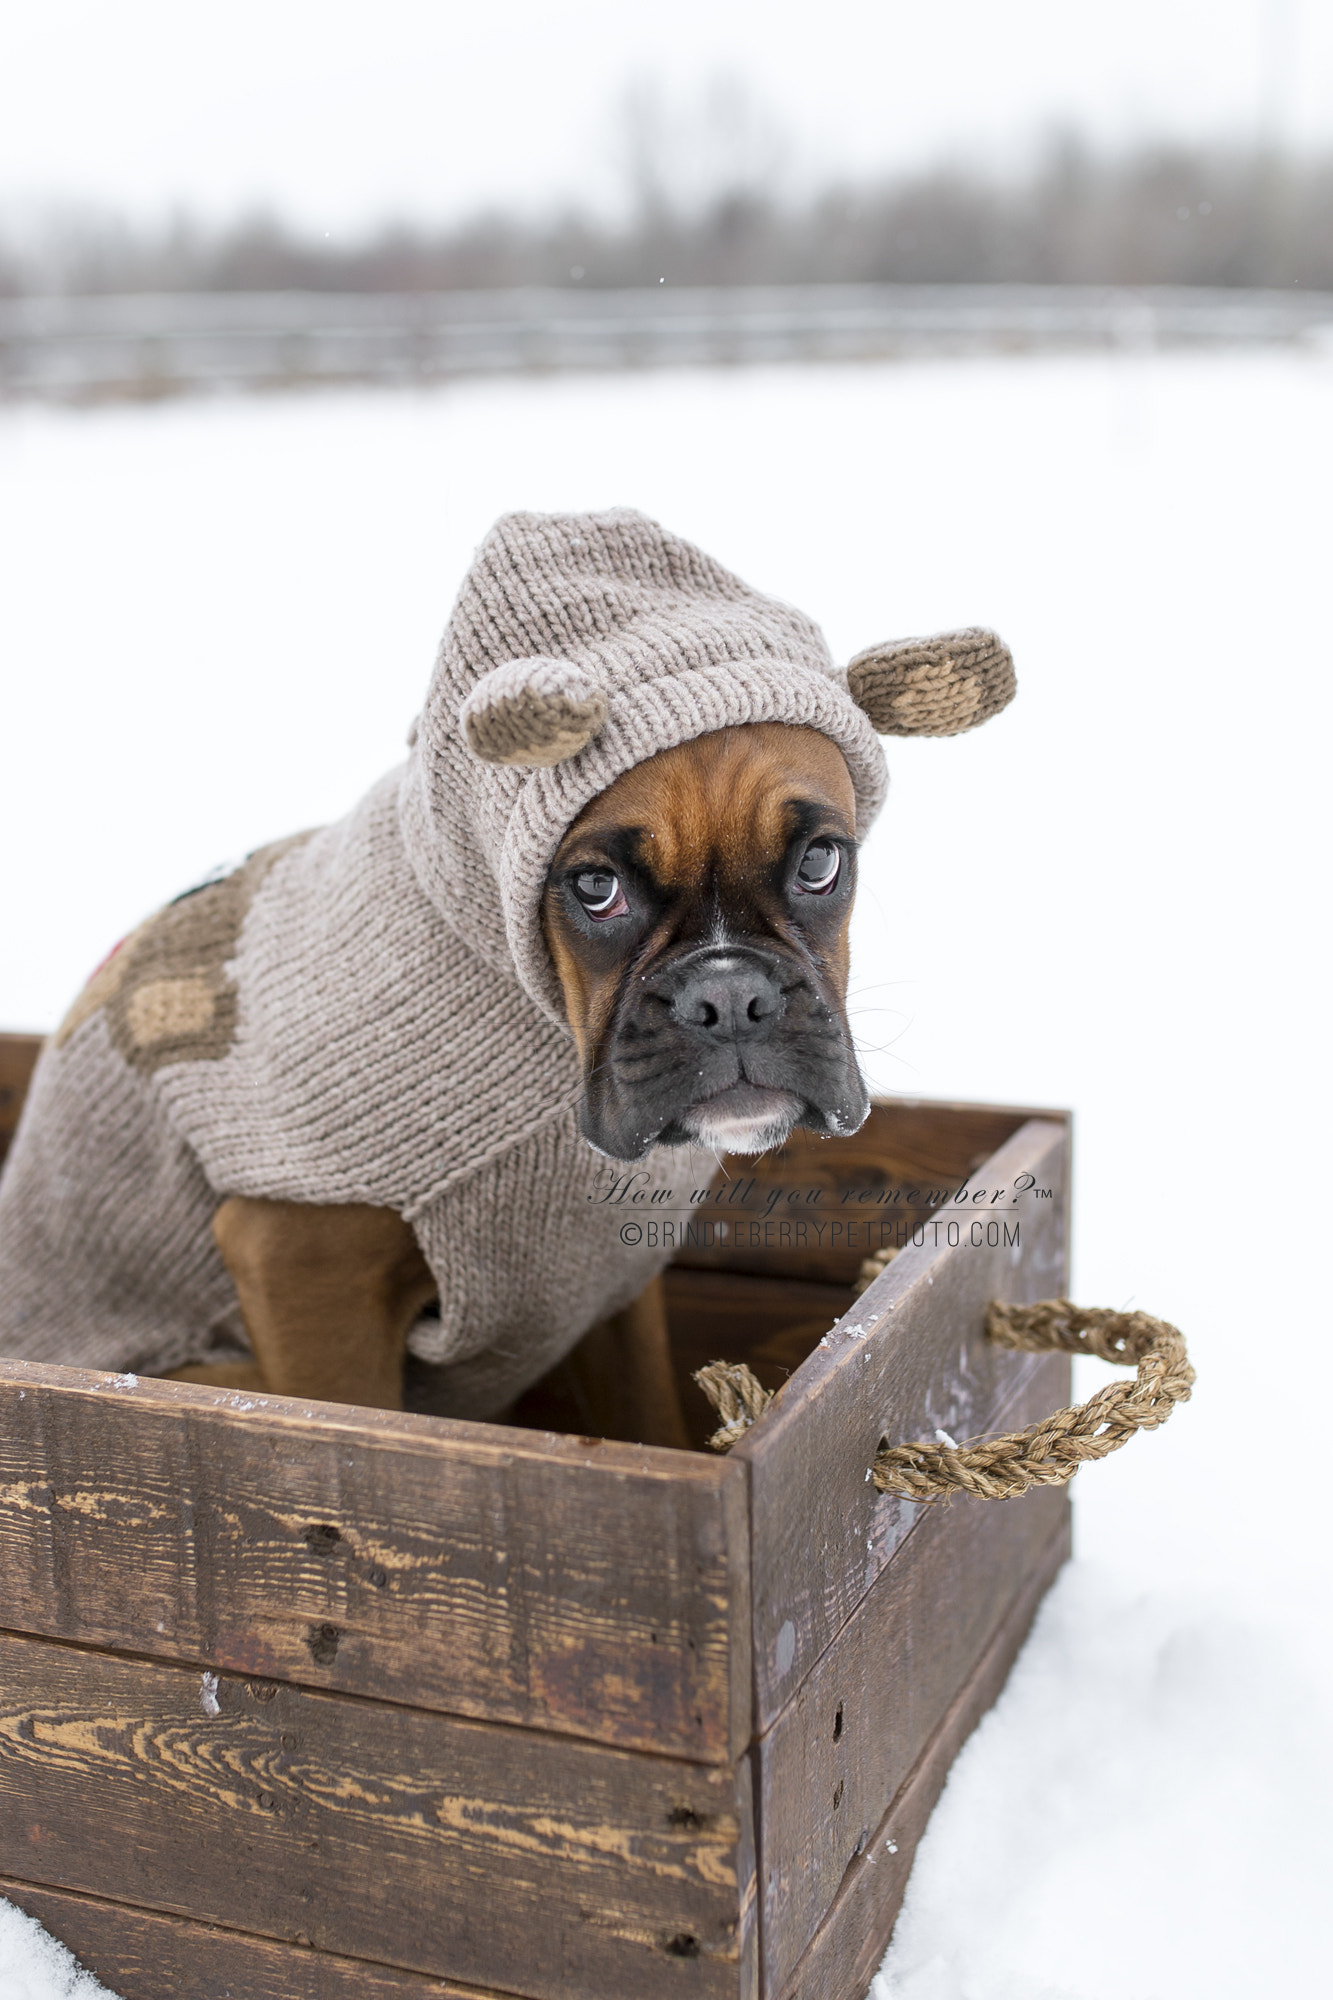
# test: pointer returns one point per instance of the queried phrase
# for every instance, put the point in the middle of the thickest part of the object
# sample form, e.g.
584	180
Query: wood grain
771	1324
620	1381
813	1209
311	1555
833	1761
141	1955
844	1954
910	1356
492	1856
598	1590
18	1059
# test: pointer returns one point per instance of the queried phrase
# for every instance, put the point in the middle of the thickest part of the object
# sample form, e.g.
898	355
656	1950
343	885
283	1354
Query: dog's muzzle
729	1047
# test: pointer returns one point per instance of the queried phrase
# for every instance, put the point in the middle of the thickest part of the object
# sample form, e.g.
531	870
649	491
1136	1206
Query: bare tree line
1160	214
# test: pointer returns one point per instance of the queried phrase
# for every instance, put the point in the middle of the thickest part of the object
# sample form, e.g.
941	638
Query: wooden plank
18	1059
845	1952
841	1749
813	1208
768	1322
142	1955
497	1857
599	1590
771	1324
910	1357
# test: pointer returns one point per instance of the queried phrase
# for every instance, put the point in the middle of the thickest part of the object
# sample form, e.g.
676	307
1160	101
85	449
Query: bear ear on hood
534	711
933	687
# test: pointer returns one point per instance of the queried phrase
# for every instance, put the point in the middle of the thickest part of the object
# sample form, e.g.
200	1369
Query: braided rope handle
738	1396
1045	1454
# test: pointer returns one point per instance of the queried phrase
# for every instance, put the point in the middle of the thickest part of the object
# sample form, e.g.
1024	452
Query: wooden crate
301	1701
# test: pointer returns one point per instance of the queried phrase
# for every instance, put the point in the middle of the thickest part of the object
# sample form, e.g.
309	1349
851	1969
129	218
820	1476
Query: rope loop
1045	1454
738	1396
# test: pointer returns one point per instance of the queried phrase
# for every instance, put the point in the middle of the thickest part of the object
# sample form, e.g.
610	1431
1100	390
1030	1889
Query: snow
1142	1814
1111	897
34	1967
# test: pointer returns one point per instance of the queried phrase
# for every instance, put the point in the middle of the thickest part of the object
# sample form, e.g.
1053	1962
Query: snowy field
216	623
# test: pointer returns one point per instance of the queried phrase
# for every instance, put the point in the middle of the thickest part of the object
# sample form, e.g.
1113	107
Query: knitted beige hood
582	644
368	1013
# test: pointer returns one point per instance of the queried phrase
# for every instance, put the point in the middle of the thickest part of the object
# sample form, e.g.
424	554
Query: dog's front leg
328	1295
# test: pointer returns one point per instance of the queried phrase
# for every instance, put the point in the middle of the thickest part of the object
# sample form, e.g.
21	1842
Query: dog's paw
933	687
535	711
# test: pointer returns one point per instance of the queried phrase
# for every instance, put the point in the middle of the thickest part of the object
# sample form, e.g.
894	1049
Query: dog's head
697	914
664	773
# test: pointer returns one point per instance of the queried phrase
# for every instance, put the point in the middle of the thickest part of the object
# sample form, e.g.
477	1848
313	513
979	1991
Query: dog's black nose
728	999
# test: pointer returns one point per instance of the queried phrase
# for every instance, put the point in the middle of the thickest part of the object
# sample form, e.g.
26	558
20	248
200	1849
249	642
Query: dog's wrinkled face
697	914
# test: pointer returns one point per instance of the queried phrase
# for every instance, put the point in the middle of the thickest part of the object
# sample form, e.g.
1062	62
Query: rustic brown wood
620	1381
841	1749
559	1583
845	1952
910	1355
518	1591
652	1401
814	1208
516	1859
141	1955
18	1059
771	1324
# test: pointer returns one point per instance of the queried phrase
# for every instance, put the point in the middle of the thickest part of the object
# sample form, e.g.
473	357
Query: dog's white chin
743	1120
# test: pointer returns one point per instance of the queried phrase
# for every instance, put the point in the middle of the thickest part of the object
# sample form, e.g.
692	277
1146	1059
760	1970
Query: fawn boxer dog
697	913
356	1100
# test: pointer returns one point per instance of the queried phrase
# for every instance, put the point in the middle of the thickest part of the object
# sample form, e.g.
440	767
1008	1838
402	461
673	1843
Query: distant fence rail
153	344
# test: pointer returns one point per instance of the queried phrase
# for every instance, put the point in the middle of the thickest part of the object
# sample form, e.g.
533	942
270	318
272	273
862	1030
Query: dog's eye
600	893
819	867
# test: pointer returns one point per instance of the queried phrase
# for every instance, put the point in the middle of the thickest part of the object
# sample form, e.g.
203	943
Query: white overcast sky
339	113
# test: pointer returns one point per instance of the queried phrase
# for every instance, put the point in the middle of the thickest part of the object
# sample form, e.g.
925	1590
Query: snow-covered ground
215	625
34	1966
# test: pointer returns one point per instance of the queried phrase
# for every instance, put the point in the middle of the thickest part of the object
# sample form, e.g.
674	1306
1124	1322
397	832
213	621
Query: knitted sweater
368	1013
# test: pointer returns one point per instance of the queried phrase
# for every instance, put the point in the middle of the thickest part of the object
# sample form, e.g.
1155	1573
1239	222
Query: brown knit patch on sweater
166	992
104	982
169	1010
